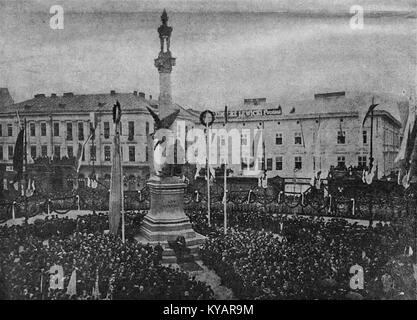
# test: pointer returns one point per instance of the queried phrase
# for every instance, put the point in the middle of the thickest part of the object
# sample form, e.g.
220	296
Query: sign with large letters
242	114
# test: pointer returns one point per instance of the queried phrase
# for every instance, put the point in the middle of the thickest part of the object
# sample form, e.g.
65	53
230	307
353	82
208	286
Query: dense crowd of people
311	259
265	255
127	270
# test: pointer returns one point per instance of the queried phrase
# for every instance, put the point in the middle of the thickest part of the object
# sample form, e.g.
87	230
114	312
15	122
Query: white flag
72	285
408	251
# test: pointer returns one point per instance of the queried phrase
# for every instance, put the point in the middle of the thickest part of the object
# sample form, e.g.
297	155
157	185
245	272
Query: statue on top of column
164	32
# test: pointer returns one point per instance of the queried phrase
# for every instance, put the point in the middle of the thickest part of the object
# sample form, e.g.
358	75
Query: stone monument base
167	220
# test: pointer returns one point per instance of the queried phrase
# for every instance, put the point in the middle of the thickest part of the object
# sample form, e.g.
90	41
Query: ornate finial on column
164	32
165	61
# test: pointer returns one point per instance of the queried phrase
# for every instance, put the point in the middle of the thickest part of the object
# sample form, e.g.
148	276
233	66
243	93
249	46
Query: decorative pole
208	174
13	211
225	173
26	173
225	198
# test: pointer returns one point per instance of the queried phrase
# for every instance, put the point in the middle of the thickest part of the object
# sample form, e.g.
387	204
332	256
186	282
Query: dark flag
368	113
19	154
115	199
225	114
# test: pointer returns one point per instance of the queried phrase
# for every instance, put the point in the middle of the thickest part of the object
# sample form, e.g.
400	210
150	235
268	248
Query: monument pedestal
166	219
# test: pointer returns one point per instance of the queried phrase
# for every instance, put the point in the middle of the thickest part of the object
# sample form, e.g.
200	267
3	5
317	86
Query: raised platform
166	220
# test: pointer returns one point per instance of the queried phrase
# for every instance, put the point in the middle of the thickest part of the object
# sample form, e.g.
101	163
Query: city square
127	195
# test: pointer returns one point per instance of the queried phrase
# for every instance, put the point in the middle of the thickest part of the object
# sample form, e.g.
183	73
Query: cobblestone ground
212	279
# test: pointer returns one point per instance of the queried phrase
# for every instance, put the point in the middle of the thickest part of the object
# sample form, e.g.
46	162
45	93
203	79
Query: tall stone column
166	220
164	64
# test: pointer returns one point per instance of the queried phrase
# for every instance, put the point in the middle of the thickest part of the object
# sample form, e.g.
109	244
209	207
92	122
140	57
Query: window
57	152
131	153
341	137
33	152
278	163
32	129
147	128
1	130
80	131
364	137
278	138
93	153
106	130
341	161
44	151
70	151
222	141
10	130
69	131
362	162
146	154
43	129
297	163
243	139
1	152
56	129
269	164
10	149
297	138
106	153
131	130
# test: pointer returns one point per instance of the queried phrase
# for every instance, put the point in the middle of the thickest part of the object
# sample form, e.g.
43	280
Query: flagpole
208	175
264	156
225	198
26	174
225	174
122	189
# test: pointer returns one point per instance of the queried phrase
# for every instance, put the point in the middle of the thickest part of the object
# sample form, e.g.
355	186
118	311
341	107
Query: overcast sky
221	57
221	5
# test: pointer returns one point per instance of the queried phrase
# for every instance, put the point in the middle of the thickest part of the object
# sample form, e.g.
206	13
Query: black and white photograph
211	151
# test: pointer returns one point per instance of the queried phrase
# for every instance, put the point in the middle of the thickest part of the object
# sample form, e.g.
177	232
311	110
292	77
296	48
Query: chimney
254	101
141	94
40	95
53	95
68	94
5	97
113	92
135	93
329	95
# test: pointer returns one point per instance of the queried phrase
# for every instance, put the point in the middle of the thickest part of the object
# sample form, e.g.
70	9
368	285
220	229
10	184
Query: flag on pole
115	199
368	113
72	284
408	251
302	134
19	155
96	290
81	150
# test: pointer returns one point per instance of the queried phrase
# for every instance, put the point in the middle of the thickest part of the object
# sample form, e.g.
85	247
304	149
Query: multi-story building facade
56	127
302	138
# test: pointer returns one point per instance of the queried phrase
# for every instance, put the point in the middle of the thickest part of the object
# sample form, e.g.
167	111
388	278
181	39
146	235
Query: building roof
85	103
329	104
